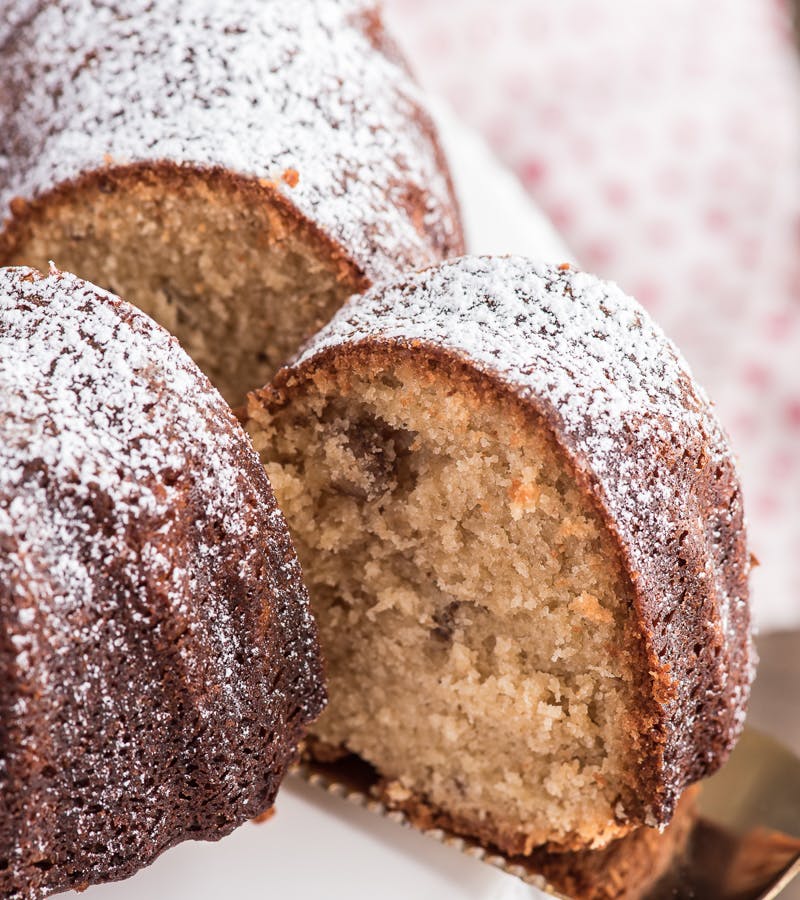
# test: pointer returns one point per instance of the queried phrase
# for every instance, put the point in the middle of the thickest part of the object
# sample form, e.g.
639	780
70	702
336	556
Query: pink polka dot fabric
663	141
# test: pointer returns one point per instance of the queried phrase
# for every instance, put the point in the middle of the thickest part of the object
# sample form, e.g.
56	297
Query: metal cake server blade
745	844
739	841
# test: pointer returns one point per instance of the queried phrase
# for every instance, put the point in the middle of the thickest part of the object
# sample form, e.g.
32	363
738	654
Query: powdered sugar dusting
258	87
79	403
559	335
135	525
643	435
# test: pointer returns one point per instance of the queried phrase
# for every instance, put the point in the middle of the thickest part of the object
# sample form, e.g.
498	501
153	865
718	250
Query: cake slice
235	170
522	531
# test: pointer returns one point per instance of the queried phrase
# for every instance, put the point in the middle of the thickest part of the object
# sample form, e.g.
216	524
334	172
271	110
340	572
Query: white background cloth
662	139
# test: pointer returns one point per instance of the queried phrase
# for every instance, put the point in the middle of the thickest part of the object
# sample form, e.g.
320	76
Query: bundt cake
235	170
522	531
158	661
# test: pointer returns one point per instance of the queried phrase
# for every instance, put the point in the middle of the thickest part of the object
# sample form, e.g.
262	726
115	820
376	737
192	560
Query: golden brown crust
243	191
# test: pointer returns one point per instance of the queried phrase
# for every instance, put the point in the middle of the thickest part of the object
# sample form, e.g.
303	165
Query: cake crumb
264	816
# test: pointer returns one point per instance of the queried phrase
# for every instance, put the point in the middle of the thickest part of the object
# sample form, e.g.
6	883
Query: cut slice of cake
522	531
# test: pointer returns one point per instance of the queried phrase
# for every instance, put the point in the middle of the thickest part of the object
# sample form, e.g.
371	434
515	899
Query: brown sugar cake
235	170
522	531
158	660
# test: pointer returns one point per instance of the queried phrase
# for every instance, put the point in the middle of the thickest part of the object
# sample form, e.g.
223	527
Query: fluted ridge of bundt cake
554	347
236	170
158	660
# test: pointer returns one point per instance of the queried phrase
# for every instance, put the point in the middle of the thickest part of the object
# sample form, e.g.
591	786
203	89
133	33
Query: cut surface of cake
522	531
235	170
158	659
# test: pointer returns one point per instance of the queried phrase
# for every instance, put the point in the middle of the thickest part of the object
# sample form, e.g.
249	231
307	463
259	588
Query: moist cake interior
472	607
232	277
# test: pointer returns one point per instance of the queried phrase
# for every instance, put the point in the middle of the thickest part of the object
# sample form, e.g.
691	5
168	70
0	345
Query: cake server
743	842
